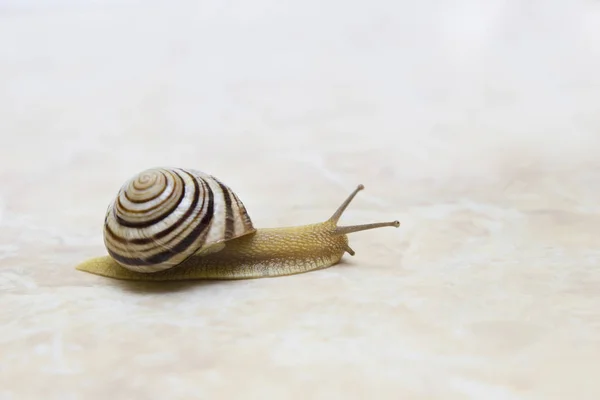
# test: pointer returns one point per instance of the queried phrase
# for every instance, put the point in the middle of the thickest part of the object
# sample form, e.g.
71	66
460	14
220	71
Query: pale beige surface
477	127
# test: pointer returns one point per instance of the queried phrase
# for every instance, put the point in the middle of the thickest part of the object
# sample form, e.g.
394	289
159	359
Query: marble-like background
476	124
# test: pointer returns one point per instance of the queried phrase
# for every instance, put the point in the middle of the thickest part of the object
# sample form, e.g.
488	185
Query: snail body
177	224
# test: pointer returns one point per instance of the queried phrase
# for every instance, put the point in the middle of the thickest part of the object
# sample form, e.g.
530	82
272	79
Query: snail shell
162	216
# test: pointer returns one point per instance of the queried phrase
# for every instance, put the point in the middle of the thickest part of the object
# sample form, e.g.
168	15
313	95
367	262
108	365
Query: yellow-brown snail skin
178	224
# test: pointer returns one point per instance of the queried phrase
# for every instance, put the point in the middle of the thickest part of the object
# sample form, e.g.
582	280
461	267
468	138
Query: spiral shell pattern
162	216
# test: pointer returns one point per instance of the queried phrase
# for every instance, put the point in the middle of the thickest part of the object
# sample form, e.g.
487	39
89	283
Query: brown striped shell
162	216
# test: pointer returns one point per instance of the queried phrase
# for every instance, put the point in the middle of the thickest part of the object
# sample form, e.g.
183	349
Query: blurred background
477	124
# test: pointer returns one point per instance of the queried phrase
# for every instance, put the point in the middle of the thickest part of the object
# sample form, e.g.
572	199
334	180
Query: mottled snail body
177	224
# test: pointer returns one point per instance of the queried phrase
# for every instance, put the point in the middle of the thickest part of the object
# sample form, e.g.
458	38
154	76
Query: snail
183	224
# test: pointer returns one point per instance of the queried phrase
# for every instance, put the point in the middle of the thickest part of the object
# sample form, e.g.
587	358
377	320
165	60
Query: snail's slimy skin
265	253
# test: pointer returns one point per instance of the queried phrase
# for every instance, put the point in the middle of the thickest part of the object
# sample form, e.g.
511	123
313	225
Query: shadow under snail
182	224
